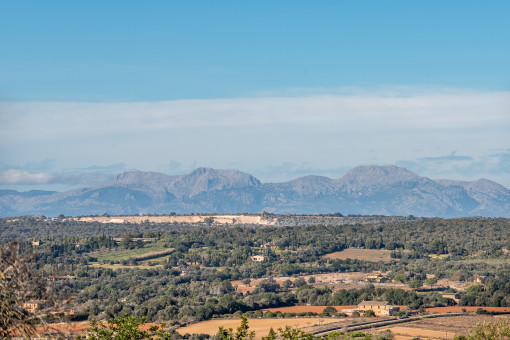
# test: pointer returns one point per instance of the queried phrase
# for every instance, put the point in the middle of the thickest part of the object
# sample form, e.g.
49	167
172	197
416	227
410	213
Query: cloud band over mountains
275	138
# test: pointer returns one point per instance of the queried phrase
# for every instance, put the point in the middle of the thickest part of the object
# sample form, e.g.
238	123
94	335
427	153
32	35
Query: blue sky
277	89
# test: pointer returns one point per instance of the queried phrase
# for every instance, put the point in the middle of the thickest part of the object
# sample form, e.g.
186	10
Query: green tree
415	284
267	286
496	330
369	313
329	311
431	281
20	284
401	277
289	333
242	332
125	328
299	282
271	335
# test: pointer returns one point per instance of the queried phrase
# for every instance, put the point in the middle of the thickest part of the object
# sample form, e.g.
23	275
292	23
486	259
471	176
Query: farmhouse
377	277
380	308
257	258
33	305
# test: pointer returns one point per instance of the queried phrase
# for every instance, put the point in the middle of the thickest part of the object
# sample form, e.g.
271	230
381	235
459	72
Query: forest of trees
194	282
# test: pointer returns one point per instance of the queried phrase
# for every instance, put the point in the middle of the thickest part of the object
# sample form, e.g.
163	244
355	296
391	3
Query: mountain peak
369	175
386	190
205	179
134	177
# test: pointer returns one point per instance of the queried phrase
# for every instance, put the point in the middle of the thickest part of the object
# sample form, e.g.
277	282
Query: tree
329	311
20	284
288	333
271	335
299	282
125	328
267	286
415	284
401	277
241	333
287	284
431	281
496	330
369	313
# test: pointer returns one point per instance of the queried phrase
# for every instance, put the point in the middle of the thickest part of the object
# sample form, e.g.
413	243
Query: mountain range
367	190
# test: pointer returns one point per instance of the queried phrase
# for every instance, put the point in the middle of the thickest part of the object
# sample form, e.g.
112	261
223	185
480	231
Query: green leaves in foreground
126	328
242	333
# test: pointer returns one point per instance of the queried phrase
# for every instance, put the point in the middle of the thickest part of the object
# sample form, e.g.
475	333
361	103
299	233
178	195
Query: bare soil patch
218	219
371	255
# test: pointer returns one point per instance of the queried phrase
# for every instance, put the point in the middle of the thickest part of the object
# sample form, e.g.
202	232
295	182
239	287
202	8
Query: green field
157	259
494	261
125	254
120	266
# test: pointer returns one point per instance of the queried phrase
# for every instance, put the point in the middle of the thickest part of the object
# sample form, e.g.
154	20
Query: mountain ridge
369	190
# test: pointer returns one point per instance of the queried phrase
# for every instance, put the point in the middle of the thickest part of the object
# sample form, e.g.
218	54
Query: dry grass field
372	255
458	309
439	328
304	309
407	333
259	326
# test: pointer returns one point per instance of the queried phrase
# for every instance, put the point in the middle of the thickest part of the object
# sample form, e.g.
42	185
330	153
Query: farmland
439	328
260	326
153	250
305	309
371	255
186	274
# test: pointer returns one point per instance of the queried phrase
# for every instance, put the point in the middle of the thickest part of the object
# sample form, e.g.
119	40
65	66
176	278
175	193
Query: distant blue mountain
368	190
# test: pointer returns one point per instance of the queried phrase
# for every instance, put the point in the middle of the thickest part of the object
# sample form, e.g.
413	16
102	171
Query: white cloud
15	176
23	177
43	121
313	130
